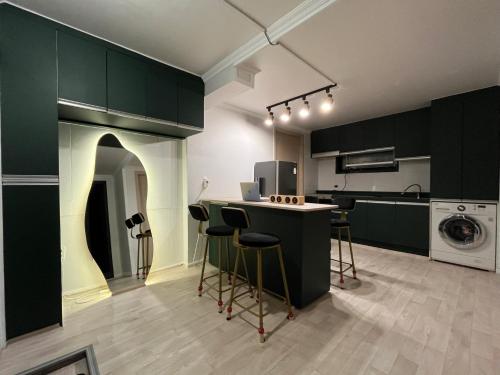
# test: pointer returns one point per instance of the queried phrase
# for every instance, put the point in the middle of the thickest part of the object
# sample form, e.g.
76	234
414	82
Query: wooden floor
406	315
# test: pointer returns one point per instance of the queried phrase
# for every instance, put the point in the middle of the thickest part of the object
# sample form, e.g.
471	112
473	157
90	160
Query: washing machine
464	233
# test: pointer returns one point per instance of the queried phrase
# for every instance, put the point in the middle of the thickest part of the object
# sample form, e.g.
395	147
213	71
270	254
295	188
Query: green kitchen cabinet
127	83
411	229
32	258
81	69
29	94
380	222
162	92
191	91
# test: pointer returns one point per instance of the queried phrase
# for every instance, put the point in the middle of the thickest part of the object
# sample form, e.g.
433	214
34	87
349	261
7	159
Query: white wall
225	153
163	161
410	172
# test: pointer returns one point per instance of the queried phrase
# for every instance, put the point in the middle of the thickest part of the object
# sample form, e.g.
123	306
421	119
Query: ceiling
387	55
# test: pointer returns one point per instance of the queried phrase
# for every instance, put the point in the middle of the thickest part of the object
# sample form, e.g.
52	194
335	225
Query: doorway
97	228
289	146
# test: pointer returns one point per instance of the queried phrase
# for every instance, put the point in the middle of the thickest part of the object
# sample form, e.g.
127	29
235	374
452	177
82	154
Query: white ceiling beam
283	25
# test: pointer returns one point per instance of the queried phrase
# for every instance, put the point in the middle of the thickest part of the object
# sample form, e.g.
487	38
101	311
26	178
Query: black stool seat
220	230
339	223
258	240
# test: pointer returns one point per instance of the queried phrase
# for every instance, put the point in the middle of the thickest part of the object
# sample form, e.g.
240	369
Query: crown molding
283	25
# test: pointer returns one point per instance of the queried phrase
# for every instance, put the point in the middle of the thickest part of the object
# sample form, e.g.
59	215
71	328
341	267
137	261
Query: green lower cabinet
380	222
412	228
81	69
32	258
357	218
29	94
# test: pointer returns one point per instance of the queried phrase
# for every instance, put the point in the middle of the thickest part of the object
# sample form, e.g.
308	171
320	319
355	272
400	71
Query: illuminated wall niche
164	161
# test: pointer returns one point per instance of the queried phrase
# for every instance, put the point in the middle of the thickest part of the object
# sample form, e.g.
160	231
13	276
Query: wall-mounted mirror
116	222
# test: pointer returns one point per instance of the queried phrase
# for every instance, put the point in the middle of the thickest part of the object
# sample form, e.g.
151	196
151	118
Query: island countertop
306	207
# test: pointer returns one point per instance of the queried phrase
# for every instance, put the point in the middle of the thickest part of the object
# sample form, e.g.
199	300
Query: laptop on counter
250	191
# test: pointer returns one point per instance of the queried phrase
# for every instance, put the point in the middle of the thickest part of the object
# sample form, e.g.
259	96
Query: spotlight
327	103
269	119
286	114
305	110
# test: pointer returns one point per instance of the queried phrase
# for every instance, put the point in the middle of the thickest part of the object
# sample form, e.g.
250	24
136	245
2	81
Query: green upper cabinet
127	83
29	94
162	92
81	69
191	91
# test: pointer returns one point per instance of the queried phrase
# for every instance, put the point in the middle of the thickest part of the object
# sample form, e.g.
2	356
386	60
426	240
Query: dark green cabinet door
32	258
352	137
191	91
162	93
357	218
480	147
446	148
127	76
81	70
413	133
411	228
380	222
29	94
378	133
325	140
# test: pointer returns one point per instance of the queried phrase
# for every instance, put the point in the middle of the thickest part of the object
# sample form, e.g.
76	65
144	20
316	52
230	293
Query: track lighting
305	109
286	114
327	103
270	119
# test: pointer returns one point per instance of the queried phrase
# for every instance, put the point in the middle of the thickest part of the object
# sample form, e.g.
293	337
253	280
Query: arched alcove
164	163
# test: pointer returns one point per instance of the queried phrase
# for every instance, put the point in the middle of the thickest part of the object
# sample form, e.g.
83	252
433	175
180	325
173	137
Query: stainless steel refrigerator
276	177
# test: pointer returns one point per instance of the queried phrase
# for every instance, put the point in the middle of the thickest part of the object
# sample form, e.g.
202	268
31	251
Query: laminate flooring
405	315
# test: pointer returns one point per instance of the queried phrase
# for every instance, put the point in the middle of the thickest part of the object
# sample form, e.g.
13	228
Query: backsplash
410	172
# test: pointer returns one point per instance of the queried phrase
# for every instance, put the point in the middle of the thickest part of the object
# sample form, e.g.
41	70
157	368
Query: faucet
408	187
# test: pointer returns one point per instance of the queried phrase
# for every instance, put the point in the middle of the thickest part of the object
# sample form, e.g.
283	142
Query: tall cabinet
32	266
465	146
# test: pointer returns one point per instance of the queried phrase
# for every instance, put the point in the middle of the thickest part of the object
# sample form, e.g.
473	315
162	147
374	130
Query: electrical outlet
204	182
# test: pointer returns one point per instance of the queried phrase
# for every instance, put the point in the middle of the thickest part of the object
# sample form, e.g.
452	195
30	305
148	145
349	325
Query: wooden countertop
307	207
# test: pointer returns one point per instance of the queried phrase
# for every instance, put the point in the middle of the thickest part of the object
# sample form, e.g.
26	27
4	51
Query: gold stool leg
290	315
219	252
200	287
261	331
228	263
250	290
352	256
230	304
340	258
138	252
147	255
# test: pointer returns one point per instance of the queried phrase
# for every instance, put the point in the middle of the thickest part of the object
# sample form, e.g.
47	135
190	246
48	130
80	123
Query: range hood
368	159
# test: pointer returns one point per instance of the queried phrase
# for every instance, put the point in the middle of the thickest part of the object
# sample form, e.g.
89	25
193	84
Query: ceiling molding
283	25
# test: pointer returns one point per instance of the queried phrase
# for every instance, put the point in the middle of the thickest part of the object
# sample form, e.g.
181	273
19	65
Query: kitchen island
305	234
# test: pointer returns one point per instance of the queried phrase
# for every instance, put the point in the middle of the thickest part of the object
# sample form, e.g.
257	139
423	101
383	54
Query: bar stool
142	239
345	205
237	218
218	233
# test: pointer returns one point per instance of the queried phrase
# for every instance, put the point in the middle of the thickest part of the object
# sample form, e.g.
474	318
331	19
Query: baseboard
192	264
165	268
87	289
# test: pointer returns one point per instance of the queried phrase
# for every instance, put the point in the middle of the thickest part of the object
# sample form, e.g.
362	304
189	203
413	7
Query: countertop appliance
276	177
464	233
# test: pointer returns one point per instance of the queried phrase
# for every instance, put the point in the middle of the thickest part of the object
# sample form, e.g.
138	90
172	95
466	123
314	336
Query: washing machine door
462	231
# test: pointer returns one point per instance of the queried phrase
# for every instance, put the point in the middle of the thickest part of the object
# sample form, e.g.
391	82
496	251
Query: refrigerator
276	177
